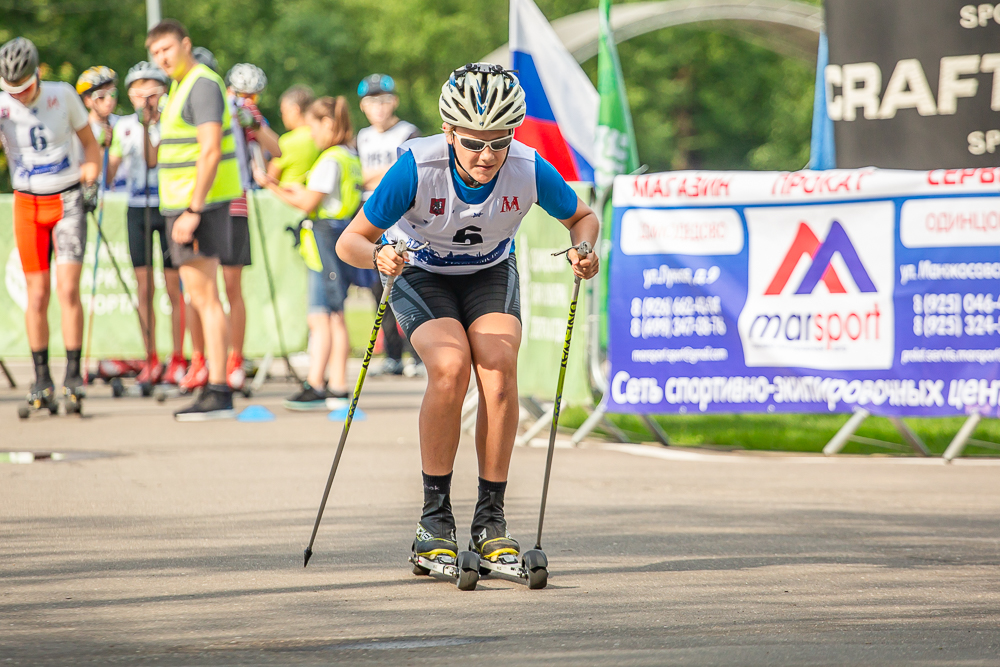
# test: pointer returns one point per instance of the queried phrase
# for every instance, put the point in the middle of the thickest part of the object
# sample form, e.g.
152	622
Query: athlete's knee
449	375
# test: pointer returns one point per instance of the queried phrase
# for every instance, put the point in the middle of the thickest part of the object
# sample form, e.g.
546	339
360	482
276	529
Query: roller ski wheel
532	568
117	387
42	397
73	395
463	570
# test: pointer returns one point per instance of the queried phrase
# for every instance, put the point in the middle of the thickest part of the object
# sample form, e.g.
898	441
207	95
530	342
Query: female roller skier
465	192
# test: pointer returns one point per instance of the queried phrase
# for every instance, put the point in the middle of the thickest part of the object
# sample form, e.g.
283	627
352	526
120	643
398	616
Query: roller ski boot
73	395
497	550
435	548
41	397
236	375
195	378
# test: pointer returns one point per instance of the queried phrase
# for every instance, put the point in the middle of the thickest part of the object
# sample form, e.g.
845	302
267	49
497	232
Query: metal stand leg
6	372
260	377
912	439
657	431
588	425
962	437
535	428
838	441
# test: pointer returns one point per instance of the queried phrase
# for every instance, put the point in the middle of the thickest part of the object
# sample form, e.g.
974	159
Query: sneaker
389	366
335	400
214	402
151	373
235	375
175	369
490	538
436	529
197	374
307	399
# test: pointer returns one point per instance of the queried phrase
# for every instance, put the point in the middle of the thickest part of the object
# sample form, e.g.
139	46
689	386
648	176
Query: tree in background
699	99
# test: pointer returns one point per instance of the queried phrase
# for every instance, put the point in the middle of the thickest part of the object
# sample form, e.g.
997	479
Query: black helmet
18	59
376	84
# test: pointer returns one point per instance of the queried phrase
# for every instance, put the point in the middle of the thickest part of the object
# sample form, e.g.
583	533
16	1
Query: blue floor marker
340	414
255	414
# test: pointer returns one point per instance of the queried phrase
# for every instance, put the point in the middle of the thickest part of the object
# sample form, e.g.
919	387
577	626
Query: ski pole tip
308	554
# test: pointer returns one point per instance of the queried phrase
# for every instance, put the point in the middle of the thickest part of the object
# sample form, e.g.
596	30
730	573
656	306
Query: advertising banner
914	84
806	292
116	324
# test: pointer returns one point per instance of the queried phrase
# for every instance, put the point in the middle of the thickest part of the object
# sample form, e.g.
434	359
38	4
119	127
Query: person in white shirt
39	123
378	145
135	150
98	87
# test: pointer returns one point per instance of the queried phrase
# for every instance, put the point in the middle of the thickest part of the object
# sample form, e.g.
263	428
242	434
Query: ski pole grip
583	249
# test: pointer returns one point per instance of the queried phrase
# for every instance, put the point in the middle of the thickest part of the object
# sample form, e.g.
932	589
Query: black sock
72	363
41	361
491	487
436	483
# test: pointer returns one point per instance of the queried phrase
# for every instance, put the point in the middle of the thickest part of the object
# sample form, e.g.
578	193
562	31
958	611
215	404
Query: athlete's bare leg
194	326
148	317
340	350
444	347
495	339
199	276
319	348
36	316
177	314
68	293
233	276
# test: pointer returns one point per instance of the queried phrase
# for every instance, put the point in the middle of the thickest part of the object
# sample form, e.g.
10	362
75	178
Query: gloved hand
90	196
246	118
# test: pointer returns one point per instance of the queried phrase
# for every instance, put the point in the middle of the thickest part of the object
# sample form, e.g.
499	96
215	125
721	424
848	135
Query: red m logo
509	204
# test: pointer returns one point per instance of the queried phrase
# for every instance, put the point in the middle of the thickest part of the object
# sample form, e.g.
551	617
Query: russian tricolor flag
562	102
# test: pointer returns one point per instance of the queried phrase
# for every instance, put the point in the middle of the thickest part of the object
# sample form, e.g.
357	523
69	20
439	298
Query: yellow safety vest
351	184
178	153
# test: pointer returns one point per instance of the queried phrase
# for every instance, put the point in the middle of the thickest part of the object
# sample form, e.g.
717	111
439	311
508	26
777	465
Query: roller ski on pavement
41	397
73	395
499	553
435	548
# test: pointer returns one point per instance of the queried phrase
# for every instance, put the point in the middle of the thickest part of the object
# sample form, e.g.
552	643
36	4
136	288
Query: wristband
378	249
191	210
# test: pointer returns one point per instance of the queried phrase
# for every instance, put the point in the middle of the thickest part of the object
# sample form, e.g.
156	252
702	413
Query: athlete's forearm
357	242
90	167
586	229
268	140
113	163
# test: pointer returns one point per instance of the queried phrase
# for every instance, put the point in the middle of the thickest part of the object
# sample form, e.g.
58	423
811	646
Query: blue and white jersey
127	144
468	229
39	138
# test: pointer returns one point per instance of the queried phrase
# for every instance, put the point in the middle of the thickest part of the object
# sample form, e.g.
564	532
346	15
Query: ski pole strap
582	250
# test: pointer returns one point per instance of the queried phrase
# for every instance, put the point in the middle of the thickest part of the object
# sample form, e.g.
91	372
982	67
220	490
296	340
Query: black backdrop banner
914	84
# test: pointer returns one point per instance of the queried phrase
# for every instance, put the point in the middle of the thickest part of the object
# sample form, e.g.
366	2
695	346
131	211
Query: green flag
614	141
615	138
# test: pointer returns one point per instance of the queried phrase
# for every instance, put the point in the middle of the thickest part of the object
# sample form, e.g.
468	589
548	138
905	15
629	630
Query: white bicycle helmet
18	59
482	96
145	70
246	79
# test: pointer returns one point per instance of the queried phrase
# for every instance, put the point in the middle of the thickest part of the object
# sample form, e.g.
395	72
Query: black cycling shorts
419	296
137	235
213	237
240	251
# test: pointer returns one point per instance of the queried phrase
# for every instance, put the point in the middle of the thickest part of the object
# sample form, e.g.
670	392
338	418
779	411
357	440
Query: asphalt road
183	546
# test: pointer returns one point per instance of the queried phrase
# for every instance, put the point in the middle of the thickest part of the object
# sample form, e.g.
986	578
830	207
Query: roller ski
41	397
435	549
498	552
73	395
195	378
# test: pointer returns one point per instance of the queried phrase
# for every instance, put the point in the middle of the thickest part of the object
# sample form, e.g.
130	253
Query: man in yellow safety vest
198	176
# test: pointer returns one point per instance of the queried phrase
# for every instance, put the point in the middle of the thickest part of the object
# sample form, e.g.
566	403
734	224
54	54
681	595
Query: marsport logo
807	243
820	288
509	204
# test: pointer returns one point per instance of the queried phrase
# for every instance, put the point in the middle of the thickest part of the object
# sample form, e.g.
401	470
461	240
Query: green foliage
699	99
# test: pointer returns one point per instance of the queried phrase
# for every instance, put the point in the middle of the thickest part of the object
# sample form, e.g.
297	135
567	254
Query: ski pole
582	251
93	286
148	234
118	272
270	285
400	248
